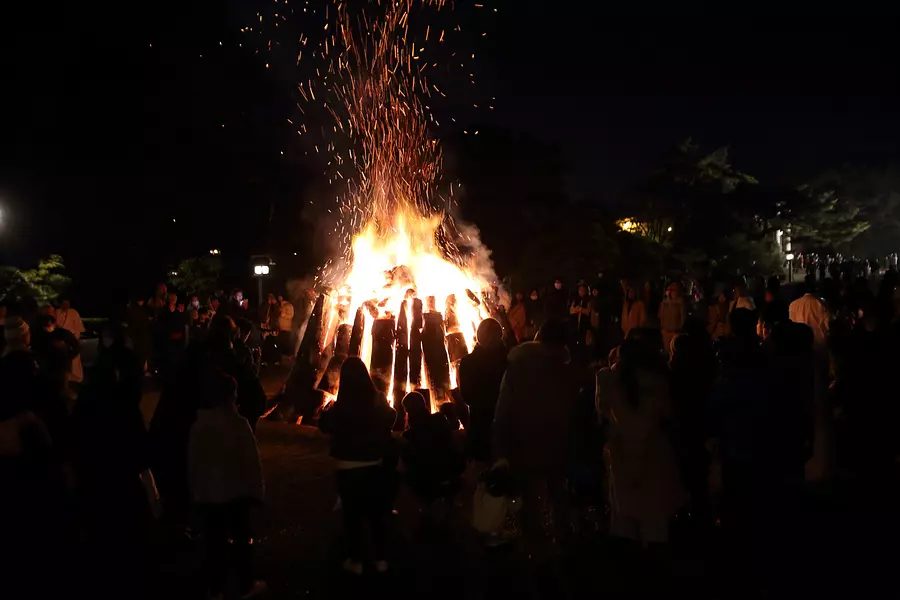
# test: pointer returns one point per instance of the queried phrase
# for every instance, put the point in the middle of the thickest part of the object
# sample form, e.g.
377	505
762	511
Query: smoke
476	256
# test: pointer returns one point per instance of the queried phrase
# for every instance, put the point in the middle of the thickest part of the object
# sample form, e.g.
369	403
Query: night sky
107	139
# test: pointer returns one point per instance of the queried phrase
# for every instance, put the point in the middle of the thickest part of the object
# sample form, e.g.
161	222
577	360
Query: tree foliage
44	283
198	275
706	215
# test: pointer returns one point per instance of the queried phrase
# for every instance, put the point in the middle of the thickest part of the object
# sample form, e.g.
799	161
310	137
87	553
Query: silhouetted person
33	518
139	332
111	454
693	372
432	460
634	313
480	374
226	484
178	405
533	421
360	423
644	482
556	302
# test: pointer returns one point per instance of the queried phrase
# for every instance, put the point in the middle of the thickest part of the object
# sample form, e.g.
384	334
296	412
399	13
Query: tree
198	276
44	283
707	216
826	220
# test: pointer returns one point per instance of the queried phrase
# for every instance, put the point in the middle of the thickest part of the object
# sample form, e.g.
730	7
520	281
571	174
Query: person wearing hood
532	423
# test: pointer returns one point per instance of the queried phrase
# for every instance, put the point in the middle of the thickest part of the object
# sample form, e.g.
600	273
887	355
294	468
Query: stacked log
382	353
456	347
310	350
356	334
415	344
332	376
435	352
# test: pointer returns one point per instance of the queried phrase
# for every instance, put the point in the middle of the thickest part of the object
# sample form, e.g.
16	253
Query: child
226	482
433	459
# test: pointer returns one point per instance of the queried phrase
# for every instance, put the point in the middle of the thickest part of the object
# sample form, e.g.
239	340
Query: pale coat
223	459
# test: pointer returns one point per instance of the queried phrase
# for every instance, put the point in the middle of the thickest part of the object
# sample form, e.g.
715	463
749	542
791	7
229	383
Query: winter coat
480	374
223	459
359	436
534	409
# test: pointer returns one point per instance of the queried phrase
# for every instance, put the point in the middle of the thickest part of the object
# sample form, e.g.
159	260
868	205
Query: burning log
401	365
457	348
473	297
310	345
415	344
401	353
331	378
342	340
451	322
356	334
436	364
382	353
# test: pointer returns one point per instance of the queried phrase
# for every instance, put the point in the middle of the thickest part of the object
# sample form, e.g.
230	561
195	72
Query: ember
404	296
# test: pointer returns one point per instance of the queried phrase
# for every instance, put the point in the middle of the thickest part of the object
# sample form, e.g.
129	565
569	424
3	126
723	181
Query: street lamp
261	269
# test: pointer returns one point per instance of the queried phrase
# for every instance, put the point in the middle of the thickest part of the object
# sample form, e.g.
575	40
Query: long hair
356	390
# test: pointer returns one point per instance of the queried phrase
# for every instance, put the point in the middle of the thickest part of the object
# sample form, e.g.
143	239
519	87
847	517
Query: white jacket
223	460
811	311
285	316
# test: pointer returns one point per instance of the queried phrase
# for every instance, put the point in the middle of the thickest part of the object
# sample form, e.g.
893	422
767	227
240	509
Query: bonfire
405	295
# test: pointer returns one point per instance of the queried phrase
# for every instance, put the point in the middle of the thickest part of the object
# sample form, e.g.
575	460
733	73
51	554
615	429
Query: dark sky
106	139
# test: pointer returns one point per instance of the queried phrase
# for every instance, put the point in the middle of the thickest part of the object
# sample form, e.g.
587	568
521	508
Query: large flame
400	261
400	268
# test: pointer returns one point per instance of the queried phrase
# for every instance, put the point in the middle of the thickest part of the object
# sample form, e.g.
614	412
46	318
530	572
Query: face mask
196	304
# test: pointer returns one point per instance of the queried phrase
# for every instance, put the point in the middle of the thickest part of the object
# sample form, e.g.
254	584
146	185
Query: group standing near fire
710	403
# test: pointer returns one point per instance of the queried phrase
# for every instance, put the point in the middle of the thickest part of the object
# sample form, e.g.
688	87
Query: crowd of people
162	327
85	479
722	405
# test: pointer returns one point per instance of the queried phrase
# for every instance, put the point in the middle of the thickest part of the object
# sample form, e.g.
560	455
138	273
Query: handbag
492	504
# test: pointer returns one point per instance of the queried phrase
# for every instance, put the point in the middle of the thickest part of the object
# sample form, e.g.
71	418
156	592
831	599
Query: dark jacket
430	450
359	435
480	374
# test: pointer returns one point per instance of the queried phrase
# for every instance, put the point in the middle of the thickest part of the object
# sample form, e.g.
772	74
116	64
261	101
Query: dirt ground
834	544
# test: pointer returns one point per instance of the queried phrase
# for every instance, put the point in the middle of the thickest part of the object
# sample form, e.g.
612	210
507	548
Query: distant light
173	273
173	220
261	269
790	256
215	251
669	229
295	254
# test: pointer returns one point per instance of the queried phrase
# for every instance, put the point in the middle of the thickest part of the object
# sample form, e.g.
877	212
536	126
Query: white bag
488	512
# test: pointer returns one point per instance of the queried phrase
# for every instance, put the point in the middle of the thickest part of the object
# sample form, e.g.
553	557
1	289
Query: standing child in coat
226	483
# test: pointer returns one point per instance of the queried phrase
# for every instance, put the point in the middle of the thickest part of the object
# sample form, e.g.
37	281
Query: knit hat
15	330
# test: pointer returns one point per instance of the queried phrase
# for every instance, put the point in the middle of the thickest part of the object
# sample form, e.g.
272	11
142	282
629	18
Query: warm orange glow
387	263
